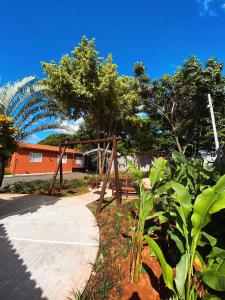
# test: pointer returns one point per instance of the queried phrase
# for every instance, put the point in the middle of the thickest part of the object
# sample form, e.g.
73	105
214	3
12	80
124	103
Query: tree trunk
184	150
104	155
102	158
106	178
177	141
2	170
99	160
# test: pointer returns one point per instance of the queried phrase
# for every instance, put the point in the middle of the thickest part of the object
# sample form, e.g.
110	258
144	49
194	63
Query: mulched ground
111	274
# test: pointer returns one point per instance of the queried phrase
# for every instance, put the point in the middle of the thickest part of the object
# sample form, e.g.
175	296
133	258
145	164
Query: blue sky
160	33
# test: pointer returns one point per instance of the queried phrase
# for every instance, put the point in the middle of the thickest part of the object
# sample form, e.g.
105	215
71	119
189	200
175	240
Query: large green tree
55	139
89	86
180	101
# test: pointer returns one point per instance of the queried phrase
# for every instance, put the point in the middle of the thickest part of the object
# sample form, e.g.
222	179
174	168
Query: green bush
41	186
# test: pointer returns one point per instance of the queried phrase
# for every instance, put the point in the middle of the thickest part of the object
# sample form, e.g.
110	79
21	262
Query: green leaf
182	197
161	216
138	173
178	158
146	204
207	239
208	202
217	252
152	229
158	171
215	278
181	274
211	297
175	237
167	271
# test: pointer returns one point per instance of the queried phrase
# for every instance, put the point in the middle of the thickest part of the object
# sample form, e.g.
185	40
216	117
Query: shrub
38	186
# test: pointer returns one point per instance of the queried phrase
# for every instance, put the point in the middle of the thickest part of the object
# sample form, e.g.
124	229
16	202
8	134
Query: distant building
142	160
39	159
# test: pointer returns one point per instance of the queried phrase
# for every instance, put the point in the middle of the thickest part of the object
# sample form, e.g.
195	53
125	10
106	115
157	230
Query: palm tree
31	110
26	101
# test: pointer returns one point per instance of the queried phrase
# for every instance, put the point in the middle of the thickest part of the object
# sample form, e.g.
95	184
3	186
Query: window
78	160
64	159
35	157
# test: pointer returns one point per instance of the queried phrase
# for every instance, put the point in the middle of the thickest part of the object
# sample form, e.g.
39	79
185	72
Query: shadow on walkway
24	204
15	279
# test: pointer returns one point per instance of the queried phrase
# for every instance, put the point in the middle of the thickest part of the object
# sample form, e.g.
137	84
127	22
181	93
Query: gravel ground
29	178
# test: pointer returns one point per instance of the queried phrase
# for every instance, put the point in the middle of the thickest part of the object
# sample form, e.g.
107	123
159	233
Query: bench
127	186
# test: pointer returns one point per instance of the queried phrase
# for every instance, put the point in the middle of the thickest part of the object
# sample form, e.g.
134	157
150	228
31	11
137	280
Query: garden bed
70	187
111	274
173	237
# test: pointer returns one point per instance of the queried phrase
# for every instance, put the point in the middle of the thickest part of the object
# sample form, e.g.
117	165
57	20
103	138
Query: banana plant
158	173
189	236
194	174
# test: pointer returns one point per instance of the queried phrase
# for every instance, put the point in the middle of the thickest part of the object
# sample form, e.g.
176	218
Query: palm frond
9	92
41	109
36	119
24	96
27	134
27	102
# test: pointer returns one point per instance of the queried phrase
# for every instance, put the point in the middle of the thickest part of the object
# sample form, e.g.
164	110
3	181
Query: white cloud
207	8
34	138
71	126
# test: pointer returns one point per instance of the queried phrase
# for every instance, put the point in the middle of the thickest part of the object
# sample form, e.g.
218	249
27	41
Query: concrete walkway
46	246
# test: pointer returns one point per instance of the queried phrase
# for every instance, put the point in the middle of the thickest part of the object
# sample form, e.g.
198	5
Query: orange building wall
20	163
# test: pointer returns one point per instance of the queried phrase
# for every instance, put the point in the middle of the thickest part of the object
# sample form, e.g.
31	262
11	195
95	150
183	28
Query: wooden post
117	186
102	194
57	170
60	169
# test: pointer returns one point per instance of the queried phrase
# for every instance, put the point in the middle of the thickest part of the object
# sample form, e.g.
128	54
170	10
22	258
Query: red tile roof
47	148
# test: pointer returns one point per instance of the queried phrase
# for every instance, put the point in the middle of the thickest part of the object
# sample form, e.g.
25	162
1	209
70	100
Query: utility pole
213	123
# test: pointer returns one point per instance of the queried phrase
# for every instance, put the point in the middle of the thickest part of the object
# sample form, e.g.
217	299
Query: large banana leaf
179	158
167	271
158	171
216	255
177	238
182	197
217	252
215	276
181	274
208	202
211	297
146	203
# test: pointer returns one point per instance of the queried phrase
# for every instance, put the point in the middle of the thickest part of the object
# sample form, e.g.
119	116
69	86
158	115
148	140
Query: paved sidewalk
46	246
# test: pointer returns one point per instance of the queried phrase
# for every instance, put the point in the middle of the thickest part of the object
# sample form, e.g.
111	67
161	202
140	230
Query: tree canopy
175	112
89	86
55	139
180	101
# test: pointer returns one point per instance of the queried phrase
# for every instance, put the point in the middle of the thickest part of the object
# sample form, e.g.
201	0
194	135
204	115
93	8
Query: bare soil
111	278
